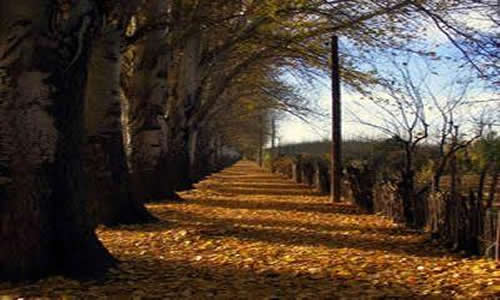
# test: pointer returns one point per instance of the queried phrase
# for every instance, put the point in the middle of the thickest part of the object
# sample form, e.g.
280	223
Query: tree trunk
482	179
493	186
218	149
177	156
204	154
44	224
190	96
105	159
193	154
146	95
183	86
178	160
407	191
362	182
438	173
213	152
261	143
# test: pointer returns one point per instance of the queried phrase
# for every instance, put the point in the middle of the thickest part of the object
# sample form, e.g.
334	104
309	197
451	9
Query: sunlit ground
248	234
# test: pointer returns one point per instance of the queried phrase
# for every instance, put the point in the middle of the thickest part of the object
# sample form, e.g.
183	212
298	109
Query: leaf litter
242	234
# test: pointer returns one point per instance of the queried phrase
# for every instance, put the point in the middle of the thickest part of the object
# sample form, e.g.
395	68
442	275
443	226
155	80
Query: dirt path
245	233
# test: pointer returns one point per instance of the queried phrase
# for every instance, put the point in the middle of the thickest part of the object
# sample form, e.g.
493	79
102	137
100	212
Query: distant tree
403	119
144	87
485	155
411	110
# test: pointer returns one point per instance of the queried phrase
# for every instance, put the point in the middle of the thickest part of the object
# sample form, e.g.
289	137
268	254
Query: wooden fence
459	221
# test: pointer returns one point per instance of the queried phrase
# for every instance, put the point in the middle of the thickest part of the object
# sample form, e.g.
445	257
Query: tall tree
105	161
44	224
145	93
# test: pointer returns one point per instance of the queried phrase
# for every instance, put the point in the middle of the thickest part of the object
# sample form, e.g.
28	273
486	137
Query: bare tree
411	109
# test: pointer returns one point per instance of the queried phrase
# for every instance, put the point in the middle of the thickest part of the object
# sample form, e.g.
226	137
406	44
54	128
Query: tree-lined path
246	233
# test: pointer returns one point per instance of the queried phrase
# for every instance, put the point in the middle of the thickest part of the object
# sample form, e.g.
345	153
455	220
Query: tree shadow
294	234
283	185
225	222
184	279
230	173
249	178
266	191
308	207
333	240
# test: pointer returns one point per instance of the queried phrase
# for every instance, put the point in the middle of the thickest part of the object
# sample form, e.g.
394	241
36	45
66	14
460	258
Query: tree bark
147	95
192	145
178	177
493	186
190	93
44	224
105	159
183	101
482	179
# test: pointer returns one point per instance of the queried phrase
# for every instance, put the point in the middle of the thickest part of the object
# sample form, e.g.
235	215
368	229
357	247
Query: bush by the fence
283	165
361	182
308	166
459	222
297	165
309	170
322	176
489	243
387	201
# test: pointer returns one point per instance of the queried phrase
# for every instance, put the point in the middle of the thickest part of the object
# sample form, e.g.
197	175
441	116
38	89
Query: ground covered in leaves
247	234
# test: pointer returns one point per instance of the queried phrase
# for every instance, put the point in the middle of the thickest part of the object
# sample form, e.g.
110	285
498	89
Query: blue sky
294	130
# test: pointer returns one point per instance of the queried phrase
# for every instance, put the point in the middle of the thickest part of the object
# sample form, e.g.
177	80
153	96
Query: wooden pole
336	154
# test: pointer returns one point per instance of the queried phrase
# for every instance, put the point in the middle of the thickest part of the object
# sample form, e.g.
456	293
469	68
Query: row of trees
135	97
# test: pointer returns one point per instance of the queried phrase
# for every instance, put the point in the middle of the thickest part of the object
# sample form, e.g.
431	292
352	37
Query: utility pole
336	151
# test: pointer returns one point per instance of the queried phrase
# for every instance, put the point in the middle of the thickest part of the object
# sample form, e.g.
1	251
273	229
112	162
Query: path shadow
267	185
332	240
249	178
326	208
236	183
231	174
182	218
182	279
265	191
330	236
